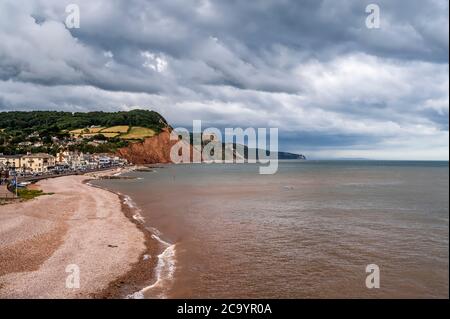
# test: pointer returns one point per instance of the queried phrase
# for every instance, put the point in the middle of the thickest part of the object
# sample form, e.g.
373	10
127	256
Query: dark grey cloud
310	67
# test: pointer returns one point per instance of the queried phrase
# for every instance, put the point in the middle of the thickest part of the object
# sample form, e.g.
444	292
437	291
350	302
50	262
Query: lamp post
15	178
7	164
1	172
8	167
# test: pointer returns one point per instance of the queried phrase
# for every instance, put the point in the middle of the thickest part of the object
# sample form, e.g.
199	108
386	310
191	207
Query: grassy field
123	131
30	193
110	135
137	132
96	129
84	131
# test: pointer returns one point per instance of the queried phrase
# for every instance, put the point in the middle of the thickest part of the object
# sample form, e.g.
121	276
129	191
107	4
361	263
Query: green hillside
93	132
123	132
58	121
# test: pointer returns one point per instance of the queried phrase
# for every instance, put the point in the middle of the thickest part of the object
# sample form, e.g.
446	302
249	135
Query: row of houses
76	160
33	163
44	163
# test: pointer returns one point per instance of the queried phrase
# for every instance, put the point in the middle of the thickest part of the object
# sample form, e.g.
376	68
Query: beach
77	229
224	231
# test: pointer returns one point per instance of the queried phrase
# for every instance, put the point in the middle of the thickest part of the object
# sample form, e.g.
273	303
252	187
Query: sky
312	68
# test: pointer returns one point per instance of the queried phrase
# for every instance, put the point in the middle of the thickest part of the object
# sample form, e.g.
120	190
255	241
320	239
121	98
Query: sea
315	229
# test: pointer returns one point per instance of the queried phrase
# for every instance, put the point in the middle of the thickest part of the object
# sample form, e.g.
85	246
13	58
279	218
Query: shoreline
142	273
49	226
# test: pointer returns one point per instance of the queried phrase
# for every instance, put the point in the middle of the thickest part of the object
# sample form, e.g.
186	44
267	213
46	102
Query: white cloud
309	68
154	62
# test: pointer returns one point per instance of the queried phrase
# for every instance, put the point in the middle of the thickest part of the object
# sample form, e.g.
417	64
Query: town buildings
64	161
30	163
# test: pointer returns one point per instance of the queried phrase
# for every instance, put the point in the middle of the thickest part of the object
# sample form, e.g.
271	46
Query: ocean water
308	231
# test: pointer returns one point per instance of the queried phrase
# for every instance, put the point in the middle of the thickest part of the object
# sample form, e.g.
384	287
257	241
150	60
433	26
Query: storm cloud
332	86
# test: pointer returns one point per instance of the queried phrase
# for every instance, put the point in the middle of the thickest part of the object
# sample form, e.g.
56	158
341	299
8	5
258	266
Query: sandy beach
42	240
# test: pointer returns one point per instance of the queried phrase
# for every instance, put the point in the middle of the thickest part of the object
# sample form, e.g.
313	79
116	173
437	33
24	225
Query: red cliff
152	150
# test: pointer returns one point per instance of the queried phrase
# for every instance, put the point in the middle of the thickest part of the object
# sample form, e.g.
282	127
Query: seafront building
30	163
10	161
79	160
64	161
37	163
73	160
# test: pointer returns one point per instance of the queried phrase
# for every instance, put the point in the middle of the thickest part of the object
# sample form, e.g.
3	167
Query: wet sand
78	225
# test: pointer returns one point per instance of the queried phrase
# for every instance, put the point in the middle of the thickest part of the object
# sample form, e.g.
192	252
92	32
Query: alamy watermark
73	17
73	279
373	279
240	146
373	19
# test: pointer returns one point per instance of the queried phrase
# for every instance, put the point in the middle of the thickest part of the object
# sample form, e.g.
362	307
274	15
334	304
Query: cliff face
152	150
156	149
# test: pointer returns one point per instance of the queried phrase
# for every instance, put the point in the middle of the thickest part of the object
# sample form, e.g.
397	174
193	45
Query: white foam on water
165	267
164	273
165	243
137	212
